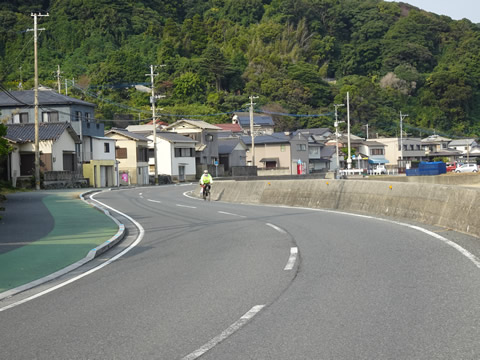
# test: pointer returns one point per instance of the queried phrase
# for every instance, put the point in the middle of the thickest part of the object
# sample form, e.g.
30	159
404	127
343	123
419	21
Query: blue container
428	168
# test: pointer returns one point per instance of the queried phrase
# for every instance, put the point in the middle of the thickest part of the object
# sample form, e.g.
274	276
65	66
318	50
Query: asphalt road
223	281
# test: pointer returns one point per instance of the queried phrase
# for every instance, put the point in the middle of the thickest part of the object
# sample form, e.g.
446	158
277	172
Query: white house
206	137
57	145
175	156
54	107
464	145
400	152
131	151
101	169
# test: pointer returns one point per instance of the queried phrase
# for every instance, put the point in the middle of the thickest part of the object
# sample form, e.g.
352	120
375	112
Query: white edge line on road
474	259
155	201
227	213
276	228
137	241
225	334
186	206
292	258
450	243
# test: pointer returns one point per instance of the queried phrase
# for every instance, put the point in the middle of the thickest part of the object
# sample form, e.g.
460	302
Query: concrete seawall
448	206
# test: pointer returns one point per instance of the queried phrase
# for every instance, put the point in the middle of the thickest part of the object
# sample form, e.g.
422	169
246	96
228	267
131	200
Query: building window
377	152
106	147
78	116
270	164
21	118
412	147
88	117
121	153
314	151
50	116
142	154
183	152
282	148
301	147
418	147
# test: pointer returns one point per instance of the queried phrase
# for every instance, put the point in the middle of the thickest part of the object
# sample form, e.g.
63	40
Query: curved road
229	281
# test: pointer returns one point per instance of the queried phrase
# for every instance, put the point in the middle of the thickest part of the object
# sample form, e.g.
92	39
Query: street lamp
402	116
336	132
251	128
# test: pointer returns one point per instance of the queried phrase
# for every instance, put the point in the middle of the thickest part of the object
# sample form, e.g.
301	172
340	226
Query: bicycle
206	192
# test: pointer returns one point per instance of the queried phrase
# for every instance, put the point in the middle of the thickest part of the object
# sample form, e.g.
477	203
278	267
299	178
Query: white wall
15	161
188	162
168	163
99	149
64	143
164	156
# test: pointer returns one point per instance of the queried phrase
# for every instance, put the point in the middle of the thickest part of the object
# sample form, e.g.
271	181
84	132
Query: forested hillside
300	57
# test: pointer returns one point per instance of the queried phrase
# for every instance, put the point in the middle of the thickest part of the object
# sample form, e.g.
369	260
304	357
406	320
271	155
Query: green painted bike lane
79	228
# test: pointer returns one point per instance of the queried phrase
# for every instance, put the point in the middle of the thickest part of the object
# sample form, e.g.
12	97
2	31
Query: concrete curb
92	254
97	251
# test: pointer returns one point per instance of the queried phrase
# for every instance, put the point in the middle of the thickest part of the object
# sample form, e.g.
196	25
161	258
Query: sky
456	9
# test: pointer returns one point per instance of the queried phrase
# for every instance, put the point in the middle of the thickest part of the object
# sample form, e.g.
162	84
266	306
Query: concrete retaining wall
443	205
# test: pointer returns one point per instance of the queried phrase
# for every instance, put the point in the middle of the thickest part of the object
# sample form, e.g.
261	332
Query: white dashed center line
155	201
231	329
186	206
227	213
276	228
292	259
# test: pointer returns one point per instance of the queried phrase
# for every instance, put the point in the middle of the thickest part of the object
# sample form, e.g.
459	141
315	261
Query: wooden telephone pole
37	143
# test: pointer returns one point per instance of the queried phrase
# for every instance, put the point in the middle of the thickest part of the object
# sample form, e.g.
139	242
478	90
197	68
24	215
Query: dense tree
4	146
298	56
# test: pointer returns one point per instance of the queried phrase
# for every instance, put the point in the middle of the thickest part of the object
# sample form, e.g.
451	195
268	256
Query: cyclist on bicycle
206	180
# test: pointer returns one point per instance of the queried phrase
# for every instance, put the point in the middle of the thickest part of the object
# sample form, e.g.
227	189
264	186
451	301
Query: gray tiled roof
275	138
373	143
226	146
328	151
461	142
174	137
197	123
313	131
23	133
258	119
45	97
132	135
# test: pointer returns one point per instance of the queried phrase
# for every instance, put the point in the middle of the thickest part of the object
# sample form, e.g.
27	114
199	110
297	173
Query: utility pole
336	133
402	116
349	160
37	145
251	128
468	152
154	121
20	86
58	80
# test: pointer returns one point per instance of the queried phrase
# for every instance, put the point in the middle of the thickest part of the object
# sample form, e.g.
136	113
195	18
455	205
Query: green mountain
300	57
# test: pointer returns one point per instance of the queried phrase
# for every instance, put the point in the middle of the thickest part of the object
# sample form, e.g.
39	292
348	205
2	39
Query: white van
379	170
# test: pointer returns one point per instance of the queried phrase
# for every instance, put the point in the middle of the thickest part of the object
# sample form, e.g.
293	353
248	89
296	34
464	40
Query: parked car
451	166
467	168
379	170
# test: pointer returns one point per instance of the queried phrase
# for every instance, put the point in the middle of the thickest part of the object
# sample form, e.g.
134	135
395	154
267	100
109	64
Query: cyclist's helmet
205	171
